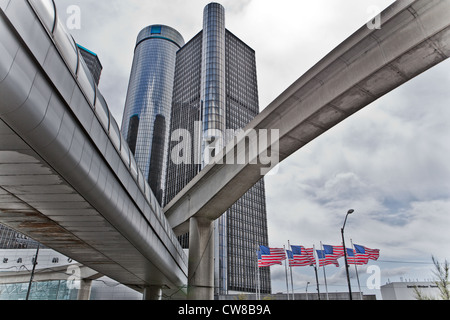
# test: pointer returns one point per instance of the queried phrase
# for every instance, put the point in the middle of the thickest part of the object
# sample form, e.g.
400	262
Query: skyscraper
92	62
146	120
215	89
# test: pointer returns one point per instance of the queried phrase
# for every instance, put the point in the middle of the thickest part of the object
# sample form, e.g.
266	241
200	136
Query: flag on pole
352	258
333	251
270	256
326	260
302	256
372	254
298	260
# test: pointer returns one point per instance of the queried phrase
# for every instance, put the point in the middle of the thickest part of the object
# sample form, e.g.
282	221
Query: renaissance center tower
206	87
215	92
146	119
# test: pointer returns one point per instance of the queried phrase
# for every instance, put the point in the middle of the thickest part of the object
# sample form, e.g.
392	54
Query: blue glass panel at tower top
146	120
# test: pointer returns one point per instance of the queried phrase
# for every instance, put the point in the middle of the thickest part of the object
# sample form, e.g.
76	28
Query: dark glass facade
146	120
11	239
215	89
92	62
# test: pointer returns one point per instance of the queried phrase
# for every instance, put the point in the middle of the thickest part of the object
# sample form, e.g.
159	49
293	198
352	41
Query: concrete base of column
201	259
84	293
152	293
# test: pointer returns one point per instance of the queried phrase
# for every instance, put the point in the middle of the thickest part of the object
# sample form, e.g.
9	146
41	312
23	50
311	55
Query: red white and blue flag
335	252
361	251
300	256
326	260
353	258
270	256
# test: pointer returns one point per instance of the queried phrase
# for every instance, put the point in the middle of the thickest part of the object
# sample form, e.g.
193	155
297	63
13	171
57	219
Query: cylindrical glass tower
146	119
213	79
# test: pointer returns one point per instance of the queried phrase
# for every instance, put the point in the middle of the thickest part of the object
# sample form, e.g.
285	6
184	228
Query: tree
442	273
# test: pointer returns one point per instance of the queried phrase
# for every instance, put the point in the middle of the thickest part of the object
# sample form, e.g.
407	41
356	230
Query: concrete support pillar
201	259
84	293
152	293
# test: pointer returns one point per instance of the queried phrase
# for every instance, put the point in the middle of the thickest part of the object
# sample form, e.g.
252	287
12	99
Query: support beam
84	293
152	293
414	37
201	259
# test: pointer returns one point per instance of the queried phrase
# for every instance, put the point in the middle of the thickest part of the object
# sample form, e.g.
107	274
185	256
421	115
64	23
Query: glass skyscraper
146	120
215	85
92	62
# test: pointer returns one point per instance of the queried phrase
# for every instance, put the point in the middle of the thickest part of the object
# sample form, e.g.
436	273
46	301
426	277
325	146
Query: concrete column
152	293
201	259
84	293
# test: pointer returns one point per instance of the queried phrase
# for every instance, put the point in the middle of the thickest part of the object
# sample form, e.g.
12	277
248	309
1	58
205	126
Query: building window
156	30
133	133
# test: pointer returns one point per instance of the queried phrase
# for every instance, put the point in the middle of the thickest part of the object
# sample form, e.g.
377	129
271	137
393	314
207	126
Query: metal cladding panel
46	11
86	82
59	147
48	128
27	117
29	25
98	135
56	69
24	190
4	4
11	142
48	197
28	180
12	169
8	50
110	157
73	157
102	111
16	87
70	212
68	49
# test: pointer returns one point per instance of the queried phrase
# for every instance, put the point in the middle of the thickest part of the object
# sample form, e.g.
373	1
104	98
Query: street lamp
345	253
307	290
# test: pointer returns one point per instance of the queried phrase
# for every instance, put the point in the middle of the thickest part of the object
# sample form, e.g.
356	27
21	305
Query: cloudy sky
389	162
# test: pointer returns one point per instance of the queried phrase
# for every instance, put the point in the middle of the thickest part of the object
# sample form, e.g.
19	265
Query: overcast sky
389	162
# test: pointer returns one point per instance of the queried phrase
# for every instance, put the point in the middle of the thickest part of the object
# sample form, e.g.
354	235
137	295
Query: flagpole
285	266
257	276
315	270
324	274
357	276
290	268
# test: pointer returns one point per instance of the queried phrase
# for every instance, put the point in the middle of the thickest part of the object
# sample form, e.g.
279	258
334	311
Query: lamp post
345	254
307	290
32	272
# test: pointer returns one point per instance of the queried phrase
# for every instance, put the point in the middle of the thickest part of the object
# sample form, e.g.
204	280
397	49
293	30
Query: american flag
353	258
372	254
326	260
300	256
270	256
333	251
